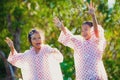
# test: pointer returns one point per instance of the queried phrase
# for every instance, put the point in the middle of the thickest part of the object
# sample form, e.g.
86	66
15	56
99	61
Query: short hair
88	23
33	31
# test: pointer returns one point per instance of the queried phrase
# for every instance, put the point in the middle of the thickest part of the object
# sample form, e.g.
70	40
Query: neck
37	50
88	38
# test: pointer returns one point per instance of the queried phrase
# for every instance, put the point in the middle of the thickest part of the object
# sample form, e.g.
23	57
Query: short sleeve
65	39
17	59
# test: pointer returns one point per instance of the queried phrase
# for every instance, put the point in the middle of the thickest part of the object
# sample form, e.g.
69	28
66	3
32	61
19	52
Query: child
41	62
88	48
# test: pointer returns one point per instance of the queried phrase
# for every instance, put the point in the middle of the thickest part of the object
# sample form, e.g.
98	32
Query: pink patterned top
41	66
87	54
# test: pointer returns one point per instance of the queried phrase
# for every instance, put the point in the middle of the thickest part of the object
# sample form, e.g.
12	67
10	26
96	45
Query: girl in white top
88	48
41	62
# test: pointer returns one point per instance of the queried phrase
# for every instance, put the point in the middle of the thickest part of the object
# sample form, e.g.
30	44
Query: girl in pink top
88	48
41	62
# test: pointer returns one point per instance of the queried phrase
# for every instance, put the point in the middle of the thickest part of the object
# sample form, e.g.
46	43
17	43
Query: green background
18	17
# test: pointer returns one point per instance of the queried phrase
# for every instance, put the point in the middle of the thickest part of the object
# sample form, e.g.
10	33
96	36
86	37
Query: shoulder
46	47
100	28
27	52
78	37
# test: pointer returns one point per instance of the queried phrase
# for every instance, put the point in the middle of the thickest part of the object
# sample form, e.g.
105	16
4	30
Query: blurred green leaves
28	14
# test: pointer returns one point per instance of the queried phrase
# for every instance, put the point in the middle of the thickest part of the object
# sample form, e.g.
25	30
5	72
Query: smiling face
36	40
86	31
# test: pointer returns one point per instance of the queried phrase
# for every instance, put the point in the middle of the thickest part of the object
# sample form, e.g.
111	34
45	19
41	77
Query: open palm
91	8
9	42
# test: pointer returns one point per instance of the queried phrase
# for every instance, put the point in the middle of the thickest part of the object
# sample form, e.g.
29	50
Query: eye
82	30
33	38
39	37
86	29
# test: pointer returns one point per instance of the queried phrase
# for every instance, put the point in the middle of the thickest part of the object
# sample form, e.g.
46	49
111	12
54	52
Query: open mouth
38	44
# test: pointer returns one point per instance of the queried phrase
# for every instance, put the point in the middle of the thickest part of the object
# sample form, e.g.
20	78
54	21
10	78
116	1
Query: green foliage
28	14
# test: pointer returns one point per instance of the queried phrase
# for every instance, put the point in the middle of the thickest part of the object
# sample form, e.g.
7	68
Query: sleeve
101	40
65	39
17	59
55	53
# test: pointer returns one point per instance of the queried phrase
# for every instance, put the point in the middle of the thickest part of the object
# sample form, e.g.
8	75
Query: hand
57	22
54	50
9	42
91	8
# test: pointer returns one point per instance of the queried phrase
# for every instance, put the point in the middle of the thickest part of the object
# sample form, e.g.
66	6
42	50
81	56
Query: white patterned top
87	54
41	66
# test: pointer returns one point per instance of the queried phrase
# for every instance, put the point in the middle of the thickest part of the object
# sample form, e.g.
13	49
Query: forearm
12	49
95	24
63	29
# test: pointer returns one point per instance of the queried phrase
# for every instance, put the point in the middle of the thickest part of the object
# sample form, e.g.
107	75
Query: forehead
37	34
85	26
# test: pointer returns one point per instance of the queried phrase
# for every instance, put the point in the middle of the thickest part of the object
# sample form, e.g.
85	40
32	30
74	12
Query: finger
90	3
56	19
9	39
6	41
55	22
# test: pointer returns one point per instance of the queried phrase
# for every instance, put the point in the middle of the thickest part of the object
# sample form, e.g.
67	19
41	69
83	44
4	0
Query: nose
38	40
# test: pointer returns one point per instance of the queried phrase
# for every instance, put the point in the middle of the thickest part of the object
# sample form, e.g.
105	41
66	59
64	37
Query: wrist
12	48
93	15
59	24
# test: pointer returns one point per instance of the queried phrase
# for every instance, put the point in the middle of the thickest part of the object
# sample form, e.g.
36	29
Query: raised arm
15	59
59	24
10	44
91	11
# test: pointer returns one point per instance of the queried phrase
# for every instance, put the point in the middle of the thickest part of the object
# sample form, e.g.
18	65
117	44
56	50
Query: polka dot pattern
41	66
87	54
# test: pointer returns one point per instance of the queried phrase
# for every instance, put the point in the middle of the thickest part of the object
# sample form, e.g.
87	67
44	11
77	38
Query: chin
39	47
85	38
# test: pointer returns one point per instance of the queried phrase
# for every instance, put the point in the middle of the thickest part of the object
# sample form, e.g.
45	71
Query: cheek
89	32
32	42
85	32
